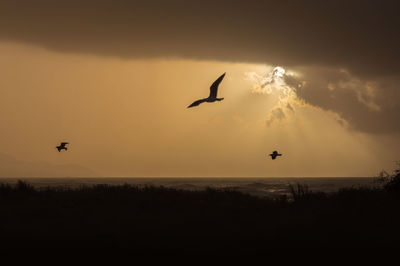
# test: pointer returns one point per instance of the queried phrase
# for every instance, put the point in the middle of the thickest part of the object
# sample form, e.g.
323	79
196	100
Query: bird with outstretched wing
275	154
213	93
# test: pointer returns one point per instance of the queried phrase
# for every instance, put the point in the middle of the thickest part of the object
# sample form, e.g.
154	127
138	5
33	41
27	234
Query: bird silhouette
213	93
274	154
62	146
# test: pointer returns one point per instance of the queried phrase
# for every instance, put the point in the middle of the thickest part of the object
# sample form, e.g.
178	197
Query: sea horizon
257	186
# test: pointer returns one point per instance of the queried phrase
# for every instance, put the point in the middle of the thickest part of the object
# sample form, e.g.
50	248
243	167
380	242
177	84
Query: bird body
275	154
213	93
62	146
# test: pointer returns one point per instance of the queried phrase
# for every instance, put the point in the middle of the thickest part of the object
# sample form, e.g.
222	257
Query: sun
278	72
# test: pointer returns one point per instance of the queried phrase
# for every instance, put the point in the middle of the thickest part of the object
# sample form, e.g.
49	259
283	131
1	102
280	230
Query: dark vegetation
159	219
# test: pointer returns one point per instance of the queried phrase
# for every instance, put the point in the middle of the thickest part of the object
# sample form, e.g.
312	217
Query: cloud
290	107
279	84
352	34
360	104
345	50
367	106
276	114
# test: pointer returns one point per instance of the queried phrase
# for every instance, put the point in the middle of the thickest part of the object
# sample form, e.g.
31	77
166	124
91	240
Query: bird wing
63	144
197	103
214	86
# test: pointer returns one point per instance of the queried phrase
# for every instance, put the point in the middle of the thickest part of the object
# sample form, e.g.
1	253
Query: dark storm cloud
368	106
359	36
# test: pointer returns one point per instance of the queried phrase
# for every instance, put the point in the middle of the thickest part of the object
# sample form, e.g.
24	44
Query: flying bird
274	154
62	146
213	93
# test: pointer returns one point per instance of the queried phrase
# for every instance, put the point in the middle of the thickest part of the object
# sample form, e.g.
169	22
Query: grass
159	219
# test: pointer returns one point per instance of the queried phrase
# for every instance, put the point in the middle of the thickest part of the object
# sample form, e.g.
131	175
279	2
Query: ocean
255	186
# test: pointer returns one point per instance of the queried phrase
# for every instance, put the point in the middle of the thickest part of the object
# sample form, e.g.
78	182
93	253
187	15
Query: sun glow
282	86
273	82
278	72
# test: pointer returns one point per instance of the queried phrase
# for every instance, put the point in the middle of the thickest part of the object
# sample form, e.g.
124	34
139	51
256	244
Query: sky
315	80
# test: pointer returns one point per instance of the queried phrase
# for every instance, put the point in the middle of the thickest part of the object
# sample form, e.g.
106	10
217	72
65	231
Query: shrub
390	182
300	191
22	186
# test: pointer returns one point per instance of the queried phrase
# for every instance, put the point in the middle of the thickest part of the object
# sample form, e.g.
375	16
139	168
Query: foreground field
157	219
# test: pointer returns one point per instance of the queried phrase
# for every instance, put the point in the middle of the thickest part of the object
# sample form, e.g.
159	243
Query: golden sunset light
194	126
